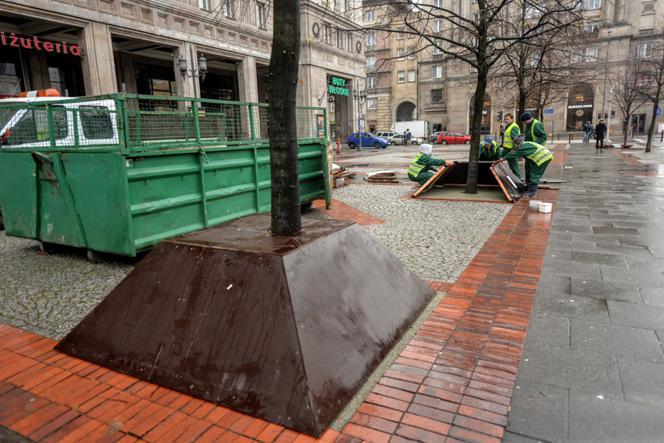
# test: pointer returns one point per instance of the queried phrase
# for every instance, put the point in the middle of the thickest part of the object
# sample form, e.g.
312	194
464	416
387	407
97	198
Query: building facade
91	47
615	31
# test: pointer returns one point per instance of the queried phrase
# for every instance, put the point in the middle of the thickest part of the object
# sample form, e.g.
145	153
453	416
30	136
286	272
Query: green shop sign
336	86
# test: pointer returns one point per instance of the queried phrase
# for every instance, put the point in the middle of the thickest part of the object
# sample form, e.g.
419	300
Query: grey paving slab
642	381
511	437
618	340
569	269
622	291
549	329
538	411
573	306
636	315
603	420
653	296
600	258
641	277
570	368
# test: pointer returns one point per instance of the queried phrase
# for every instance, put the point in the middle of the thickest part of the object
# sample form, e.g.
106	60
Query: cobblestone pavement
437	239
50	294
593	364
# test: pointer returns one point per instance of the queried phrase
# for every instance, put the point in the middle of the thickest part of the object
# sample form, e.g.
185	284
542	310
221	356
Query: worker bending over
422	168
536	157
489	150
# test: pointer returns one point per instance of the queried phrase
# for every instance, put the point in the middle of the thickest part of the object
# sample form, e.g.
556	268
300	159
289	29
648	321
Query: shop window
56	77
33	126
261	15
96	122
10	82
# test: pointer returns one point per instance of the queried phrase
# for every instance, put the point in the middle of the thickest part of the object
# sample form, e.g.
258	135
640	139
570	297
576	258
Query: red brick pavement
341	211
452	382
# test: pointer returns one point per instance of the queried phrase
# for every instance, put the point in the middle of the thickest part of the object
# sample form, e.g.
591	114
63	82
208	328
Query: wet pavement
593	363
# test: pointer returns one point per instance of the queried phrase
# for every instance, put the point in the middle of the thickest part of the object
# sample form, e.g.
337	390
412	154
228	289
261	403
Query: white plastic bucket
545	207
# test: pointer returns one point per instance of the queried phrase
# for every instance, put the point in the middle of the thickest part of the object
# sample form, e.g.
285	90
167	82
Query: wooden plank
429	183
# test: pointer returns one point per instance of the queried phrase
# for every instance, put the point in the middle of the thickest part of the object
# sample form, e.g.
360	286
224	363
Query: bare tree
282	123
628	92
478	36
653	75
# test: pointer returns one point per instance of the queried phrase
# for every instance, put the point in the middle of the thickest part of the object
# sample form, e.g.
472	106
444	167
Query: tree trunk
625	129
473	158
653	120
282	123
523	96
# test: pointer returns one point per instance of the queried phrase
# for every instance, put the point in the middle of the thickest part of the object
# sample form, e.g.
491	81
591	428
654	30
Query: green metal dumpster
119	173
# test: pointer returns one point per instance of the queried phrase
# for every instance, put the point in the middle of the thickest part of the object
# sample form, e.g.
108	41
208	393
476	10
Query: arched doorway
485	127
580	106
405	112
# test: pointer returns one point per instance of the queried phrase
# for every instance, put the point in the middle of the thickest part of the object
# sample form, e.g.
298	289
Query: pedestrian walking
422	168
586	131
600	134
407	136
536	158
534	130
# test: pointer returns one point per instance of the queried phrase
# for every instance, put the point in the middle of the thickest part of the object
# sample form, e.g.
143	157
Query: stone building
615	31
91	47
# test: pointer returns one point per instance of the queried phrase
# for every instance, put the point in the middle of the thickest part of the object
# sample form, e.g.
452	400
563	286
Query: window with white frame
371	82
532	10
401	54
648	8
591	27
437	25
437	71
372	103
261	15
349	41
371	38
438	43
371	16
577	57
411	53
228	8
401	77
411	76
438	3
371	63
340	39
591	54
204	4
645	50
590	5
346	5
400	33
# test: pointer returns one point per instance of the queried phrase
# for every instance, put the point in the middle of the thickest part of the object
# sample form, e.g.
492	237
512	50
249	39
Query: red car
453	138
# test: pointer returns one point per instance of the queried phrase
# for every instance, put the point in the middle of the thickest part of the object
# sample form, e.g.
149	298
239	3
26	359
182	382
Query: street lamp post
360	95
193	72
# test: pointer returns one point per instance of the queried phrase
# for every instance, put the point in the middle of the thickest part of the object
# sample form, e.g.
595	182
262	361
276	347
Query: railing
145	123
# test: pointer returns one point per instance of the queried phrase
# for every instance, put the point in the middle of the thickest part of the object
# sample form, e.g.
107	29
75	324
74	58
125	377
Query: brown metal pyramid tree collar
282	328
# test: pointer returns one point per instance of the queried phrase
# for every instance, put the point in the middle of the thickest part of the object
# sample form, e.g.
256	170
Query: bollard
661	137
570	138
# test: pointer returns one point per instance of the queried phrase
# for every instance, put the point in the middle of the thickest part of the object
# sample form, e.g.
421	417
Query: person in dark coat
600	134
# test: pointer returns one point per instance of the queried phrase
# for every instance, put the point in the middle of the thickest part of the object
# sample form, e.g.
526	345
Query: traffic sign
548	111
658	112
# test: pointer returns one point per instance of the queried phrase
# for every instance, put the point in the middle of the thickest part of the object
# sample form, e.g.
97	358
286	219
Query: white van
76	124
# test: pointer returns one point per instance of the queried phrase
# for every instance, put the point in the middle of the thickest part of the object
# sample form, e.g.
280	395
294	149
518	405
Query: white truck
419	130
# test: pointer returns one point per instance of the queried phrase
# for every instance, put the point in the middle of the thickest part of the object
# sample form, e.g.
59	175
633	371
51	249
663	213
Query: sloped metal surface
282	328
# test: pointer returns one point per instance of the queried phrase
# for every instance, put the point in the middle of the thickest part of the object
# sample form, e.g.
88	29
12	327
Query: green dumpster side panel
18	198
97	182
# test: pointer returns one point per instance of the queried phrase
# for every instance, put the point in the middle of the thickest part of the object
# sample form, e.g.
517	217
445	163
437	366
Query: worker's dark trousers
599	143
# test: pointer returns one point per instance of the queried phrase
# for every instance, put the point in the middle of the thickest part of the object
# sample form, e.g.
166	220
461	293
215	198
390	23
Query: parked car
387	135
433	138
368	140
453	138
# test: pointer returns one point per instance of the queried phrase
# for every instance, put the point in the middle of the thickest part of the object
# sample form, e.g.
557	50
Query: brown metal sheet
456	174
507	180
282	328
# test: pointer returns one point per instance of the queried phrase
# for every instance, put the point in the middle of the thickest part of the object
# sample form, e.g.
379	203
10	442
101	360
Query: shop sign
13	40
579	106
337	86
